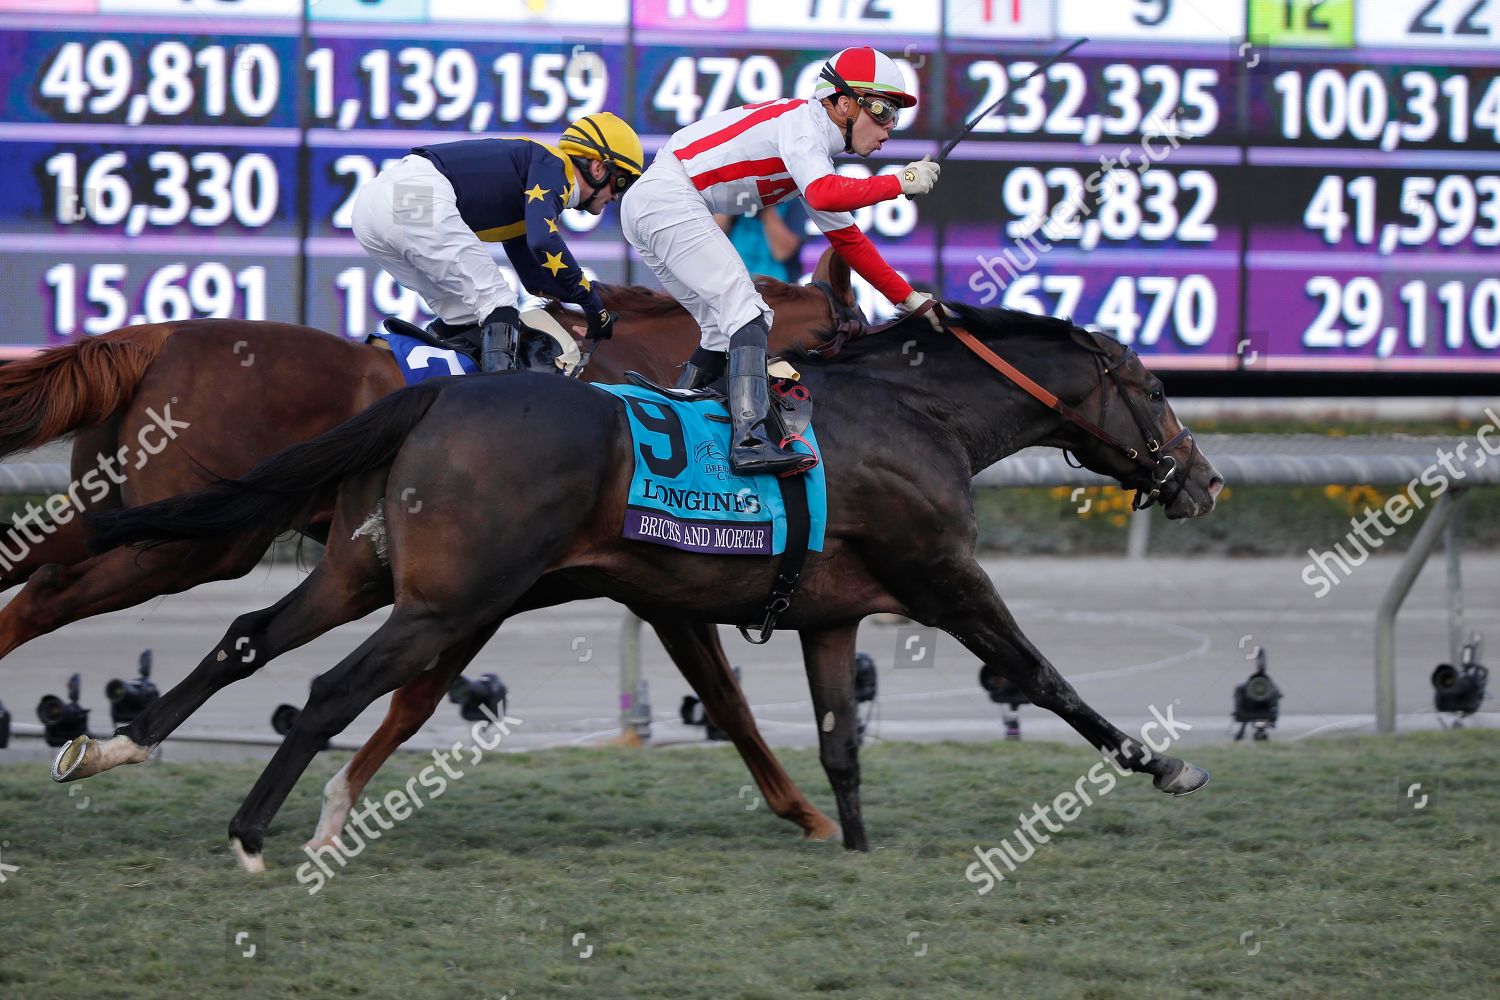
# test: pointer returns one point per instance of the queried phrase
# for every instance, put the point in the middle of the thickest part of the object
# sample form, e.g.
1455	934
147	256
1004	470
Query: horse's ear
835	270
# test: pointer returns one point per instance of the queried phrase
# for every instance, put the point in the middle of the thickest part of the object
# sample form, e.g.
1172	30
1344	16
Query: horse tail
278	487
77	385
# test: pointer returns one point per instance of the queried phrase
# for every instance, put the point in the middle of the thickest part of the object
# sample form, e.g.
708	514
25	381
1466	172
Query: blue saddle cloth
419	362
683	494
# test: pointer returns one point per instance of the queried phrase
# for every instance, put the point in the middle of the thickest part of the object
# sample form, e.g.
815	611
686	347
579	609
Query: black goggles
619	179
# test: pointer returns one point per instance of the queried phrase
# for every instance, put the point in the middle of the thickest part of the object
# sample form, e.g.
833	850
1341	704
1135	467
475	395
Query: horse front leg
828	654
695	648
967	607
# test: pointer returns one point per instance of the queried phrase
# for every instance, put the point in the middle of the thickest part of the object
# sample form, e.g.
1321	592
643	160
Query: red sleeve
836	193
857	250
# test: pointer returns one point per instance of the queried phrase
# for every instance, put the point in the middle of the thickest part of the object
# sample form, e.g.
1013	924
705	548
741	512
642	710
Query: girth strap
798	526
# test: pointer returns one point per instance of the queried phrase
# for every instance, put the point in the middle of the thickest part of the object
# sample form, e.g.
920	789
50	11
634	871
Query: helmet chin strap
586	177
841	88
594	189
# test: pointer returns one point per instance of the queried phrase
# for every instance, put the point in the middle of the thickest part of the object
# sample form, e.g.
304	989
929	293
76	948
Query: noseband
1162	469
1166	477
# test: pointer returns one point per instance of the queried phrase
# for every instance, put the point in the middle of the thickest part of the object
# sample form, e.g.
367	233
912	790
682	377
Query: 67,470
173	292
1136	309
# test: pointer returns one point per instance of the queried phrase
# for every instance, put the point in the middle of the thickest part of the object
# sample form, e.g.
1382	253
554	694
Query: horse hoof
252	863
1184	779
79	758
82	757
824	832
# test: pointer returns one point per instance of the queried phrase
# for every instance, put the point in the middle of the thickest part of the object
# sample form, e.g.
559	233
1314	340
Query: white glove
914	301
919	177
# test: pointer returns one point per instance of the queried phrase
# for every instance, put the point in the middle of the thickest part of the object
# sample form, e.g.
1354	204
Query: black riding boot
753	446
500	337
702	368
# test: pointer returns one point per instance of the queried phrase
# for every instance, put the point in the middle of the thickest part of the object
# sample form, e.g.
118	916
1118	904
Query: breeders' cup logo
712	460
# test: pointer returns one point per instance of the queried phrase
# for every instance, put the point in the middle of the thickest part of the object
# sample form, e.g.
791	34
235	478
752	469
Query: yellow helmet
607	137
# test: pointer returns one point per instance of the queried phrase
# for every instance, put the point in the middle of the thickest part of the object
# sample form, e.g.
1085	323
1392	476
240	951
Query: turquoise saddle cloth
683	494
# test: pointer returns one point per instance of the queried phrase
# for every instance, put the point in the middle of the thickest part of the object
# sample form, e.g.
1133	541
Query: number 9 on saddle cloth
422	354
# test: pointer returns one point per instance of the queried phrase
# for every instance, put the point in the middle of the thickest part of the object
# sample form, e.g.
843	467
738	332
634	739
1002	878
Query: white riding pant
407	219
667	221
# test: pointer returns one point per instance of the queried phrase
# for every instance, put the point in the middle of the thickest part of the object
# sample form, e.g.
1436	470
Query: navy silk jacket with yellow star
511	192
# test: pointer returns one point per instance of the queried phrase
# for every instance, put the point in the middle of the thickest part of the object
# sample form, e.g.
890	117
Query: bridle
1166	476
849	322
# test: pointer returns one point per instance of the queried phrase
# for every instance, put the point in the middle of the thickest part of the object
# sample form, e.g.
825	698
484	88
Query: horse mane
637	300
1001	322
988	323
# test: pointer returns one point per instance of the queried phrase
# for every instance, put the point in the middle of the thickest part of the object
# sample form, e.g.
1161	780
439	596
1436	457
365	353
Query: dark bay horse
901	443
247	390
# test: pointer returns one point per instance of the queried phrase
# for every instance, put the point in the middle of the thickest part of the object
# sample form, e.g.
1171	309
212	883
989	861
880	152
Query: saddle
791	403
545	346
791	406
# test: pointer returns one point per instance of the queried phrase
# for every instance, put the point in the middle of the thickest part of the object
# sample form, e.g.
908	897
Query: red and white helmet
867	71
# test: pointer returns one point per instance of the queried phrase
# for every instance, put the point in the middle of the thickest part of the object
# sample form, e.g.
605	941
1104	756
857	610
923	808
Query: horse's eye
1157	396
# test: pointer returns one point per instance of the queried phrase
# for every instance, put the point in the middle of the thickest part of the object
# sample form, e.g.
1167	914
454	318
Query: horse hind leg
333	594
58	595
444	595
64	545
67	536
412	704
695	648
409	642
480	593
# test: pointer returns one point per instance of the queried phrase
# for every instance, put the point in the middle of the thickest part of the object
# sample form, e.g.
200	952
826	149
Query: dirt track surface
1130	635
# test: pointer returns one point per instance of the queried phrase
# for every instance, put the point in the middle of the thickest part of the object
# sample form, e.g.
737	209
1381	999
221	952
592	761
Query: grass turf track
1300	870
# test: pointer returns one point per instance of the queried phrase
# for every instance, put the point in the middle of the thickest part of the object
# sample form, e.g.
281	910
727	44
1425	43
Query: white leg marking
336	806
252	863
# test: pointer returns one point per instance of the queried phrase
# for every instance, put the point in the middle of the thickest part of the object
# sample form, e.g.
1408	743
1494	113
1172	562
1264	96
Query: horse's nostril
1214	486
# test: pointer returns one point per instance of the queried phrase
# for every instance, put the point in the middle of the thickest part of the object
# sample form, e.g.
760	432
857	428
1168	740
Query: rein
1161	467
848	322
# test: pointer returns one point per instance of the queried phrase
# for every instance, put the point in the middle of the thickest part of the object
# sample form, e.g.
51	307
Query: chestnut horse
244	390
901	444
